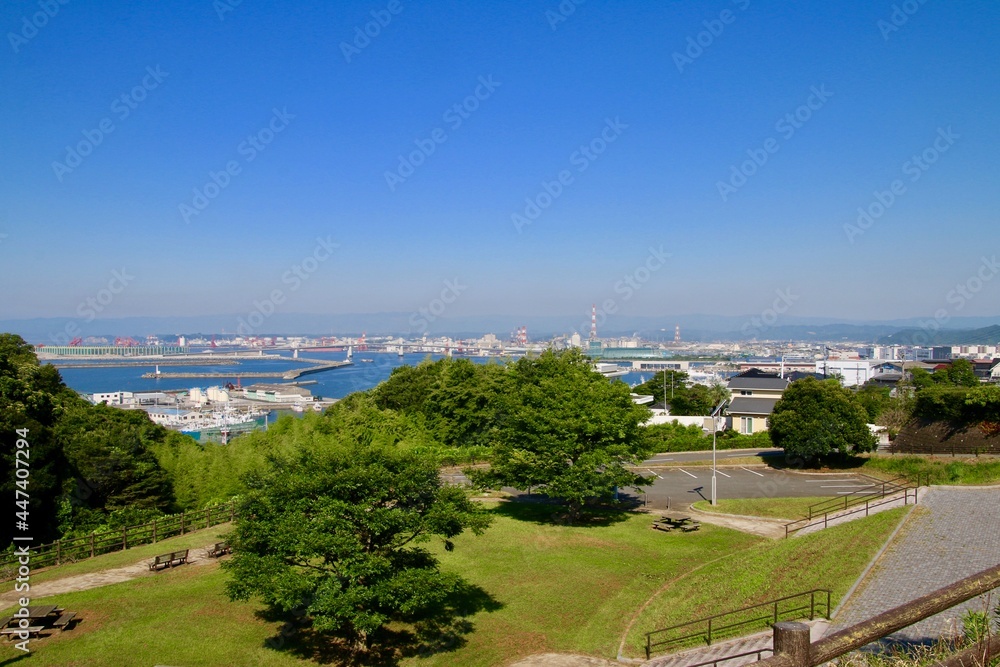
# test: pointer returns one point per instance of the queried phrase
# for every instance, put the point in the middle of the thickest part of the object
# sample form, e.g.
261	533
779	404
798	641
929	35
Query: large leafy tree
816	418
565	430
333	535
455	397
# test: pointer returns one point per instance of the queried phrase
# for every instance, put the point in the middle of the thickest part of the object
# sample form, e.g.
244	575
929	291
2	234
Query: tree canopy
334	535
816	418
683	398
87	462
564	429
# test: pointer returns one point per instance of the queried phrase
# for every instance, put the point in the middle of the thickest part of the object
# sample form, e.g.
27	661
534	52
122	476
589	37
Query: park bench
691	527
65	620
169	560
219	549
20	632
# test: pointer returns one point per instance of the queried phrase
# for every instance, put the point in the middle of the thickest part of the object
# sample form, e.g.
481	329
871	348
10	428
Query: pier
285	375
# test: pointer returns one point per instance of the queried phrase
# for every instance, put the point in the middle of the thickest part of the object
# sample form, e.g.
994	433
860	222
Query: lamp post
715	429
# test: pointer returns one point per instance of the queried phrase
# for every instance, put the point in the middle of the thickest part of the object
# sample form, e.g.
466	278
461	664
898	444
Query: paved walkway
83	582
953	533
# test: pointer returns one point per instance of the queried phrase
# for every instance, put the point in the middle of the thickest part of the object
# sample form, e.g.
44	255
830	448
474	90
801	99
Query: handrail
813	607
808	522
864	633
817	508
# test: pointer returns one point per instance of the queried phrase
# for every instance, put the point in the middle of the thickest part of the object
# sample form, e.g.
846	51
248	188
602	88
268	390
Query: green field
552	588
940	470
833	559
775	508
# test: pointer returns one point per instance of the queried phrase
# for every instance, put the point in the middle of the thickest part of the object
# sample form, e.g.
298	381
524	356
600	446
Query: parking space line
650	471
687	473
723	474
751	471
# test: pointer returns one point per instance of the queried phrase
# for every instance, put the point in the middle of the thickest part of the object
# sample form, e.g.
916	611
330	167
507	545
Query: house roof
747	405
758	382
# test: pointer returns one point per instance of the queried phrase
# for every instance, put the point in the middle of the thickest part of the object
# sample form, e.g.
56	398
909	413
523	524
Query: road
678	486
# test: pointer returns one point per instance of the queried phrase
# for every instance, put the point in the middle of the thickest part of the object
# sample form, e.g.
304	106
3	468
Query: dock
285	375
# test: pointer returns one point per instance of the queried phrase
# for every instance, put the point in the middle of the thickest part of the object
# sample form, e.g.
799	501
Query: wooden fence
95	544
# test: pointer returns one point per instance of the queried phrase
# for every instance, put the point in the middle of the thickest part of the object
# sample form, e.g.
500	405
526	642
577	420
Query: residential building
754	394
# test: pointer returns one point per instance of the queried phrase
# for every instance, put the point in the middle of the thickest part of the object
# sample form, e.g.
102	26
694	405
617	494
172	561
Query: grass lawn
833	559
778	508
960	470
940	469
178	617
554	589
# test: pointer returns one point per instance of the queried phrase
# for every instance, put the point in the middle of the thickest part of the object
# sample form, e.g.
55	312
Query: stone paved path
953	533
83	582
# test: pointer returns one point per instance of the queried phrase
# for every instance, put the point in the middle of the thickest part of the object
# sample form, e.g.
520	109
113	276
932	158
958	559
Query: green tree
29	406
566	430
817	418
960	373
874	400
334	536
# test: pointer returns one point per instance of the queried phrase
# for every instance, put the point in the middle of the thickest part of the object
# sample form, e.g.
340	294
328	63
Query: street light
715	429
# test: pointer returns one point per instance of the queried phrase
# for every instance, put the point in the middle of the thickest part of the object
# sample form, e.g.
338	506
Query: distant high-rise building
677	333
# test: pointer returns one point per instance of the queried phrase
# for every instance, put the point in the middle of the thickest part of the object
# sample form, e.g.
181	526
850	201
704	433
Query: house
754	394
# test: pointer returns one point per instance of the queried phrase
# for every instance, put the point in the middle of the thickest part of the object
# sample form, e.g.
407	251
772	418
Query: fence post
91	544
182	522
58	551
775	612
709	632
828	610
866	507
812	605
208	517
154	531
791	640
124	537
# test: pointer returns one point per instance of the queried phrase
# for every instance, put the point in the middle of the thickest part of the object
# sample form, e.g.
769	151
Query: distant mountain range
925	336
694	327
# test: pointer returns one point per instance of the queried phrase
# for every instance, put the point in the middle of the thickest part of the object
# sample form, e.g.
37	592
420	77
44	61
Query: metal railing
96	544
726	624
824	511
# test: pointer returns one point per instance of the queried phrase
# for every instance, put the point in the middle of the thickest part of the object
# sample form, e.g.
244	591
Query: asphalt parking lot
677	484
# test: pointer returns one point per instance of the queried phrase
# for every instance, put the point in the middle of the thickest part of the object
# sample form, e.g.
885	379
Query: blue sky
674	128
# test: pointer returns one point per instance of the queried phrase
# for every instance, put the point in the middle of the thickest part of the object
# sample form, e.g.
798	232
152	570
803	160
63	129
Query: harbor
292	374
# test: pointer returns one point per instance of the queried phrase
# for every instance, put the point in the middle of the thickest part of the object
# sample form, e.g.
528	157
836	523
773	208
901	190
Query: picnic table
39	617
683	522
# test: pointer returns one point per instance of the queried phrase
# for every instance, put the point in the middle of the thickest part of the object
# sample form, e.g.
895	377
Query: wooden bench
691	527
20	632
65	620
169	560
219	549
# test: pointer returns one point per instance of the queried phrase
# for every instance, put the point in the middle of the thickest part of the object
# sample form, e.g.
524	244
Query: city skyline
522	160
